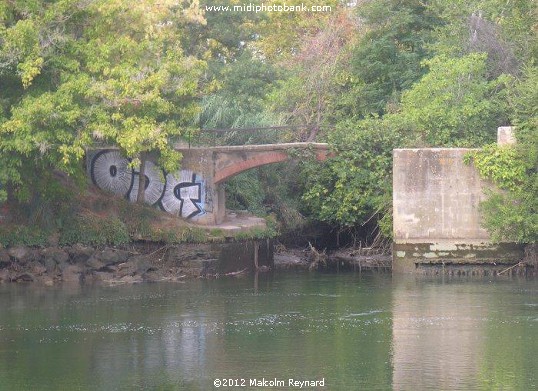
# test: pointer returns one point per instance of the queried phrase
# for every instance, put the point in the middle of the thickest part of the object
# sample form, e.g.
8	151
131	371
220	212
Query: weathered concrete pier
436	199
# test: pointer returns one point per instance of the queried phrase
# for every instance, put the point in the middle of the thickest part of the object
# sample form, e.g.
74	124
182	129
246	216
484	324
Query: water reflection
438	336
357	332
463	335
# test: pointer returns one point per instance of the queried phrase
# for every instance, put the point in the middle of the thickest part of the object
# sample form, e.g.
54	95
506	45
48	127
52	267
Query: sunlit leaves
501	165
20	50
454	104
107	71
512	214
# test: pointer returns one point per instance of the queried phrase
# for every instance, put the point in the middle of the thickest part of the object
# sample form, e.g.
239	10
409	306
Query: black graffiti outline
194	201
135	175
92	169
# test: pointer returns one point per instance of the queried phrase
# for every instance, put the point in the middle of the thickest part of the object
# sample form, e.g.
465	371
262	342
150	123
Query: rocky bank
148	262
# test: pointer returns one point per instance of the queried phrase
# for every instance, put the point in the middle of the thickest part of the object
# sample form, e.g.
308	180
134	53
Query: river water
354	332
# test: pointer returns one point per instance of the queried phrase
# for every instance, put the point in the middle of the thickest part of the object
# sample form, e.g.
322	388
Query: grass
98	219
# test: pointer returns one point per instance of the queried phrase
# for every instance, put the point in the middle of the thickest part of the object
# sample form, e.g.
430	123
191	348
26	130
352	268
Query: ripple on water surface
358	332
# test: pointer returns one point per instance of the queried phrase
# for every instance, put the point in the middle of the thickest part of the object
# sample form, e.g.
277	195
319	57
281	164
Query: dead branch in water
235	273
317	258
511	267
230	274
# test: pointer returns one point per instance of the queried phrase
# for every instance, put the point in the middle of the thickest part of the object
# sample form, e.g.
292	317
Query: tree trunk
142	179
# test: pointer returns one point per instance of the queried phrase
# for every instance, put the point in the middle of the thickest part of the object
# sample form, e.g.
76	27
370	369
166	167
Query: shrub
95	230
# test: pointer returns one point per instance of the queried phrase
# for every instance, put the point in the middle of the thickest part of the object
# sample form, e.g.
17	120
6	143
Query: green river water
354	332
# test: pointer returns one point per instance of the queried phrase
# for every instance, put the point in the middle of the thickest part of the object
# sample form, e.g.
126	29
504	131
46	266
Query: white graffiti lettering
179	193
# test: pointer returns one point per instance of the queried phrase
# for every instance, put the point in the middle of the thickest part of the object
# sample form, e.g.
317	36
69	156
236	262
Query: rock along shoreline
139	262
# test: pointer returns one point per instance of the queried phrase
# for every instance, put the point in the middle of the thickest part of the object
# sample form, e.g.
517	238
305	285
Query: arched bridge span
196	191
218	164
232	160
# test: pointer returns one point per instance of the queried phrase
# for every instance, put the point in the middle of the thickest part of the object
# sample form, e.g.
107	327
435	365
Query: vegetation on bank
367	78
511	214
97	219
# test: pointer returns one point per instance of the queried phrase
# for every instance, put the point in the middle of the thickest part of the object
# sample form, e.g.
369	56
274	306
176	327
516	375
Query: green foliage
506	31
500	164
512	214
245	191
240	101
23	235
21	50
95	230
352	186
387	59
525	117
102	71
222	36
258	233
454	105
193	235
138	75
137	219
280	35
418	68
247	81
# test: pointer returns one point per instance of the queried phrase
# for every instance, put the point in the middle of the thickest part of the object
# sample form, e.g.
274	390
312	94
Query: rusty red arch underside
260	159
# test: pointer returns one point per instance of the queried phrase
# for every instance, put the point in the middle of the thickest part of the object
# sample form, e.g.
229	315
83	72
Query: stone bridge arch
196	191
233	160
218	164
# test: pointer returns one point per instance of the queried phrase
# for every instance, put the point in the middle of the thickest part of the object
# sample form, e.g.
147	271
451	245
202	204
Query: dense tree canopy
366	77
81	72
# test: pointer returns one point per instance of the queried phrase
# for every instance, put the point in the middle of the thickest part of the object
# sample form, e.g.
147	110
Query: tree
454	104
106	71
281	34
305	97
387	58
506	31
354	186
240	103
512	213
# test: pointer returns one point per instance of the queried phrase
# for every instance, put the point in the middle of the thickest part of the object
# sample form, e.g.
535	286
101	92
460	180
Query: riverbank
346	259
370	260
96	219
134	263
154	262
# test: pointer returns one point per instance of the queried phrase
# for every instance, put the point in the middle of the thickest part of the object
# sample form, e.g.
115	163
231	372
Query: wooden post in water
256	249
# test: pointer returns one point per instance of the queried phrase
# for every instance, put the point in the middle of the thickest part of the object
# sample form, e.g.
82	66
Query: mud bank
341	260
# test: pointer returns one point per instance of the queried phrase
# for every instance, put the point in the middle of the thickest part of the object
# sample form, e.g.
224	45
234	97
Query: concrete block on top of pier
505	135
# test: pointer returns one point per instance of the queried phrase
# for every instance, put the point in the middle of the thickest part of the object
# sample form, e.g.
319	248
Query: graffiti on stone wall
183	194
179	193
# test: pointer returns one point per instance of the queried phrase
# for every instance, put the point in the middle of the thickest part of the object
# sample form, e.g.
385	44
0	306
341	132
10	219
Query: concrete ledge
505	135
410	257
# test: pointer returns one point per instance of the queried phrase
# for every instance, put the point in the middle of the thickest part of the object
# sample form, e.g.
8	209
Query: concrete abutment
437	222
